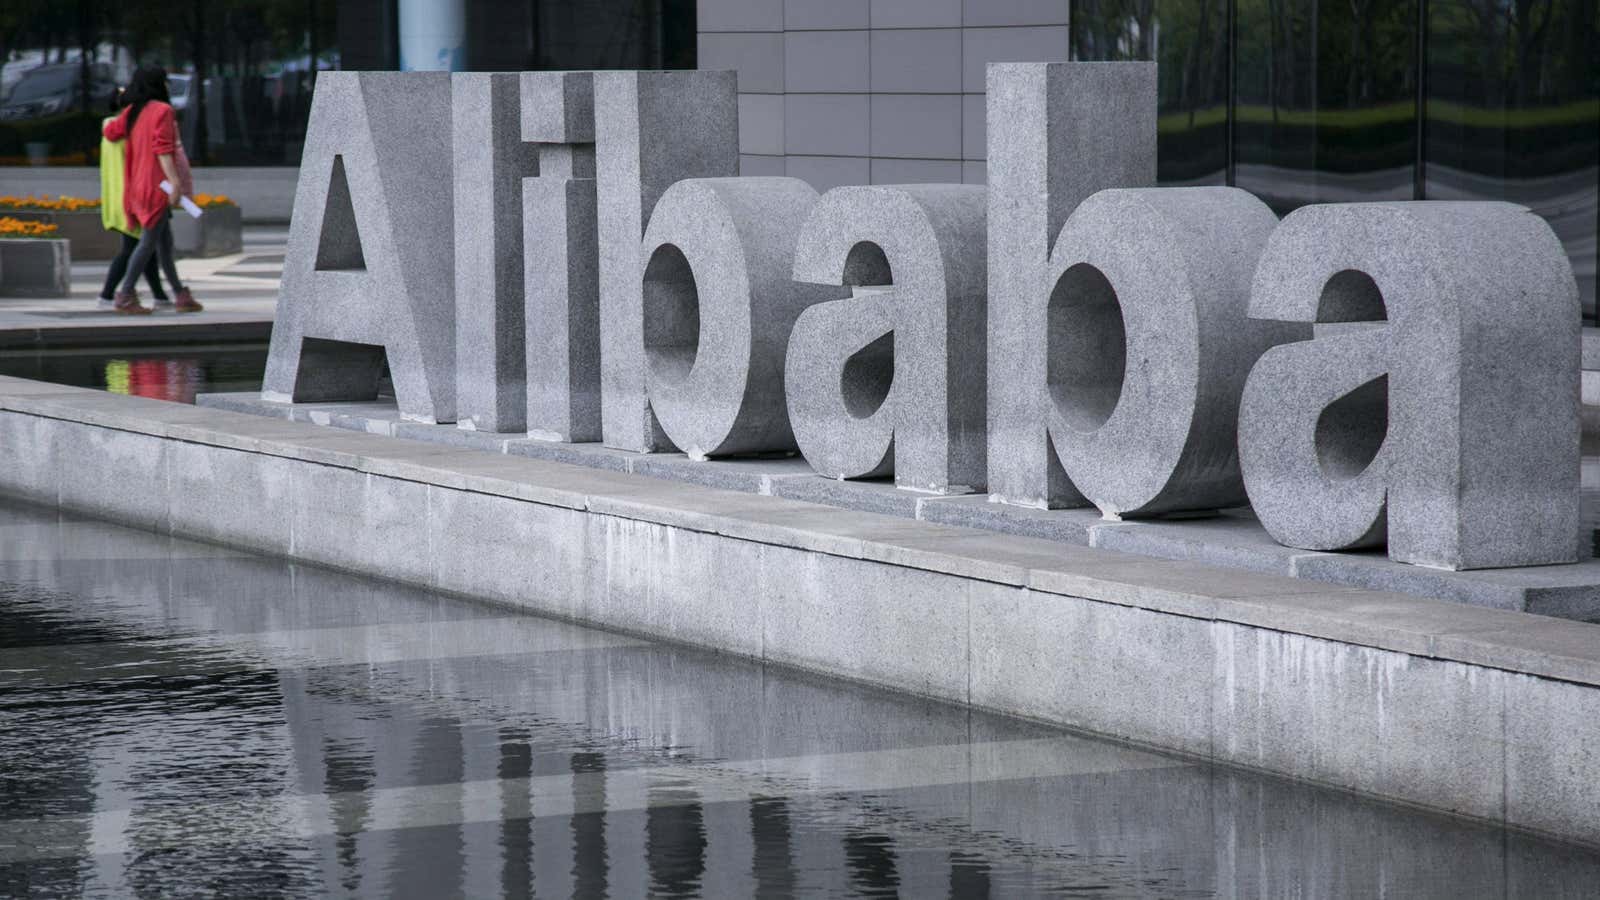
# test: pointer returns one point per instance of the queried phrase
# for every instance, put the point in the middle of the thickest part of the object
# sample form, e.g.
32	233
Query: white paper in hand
189	206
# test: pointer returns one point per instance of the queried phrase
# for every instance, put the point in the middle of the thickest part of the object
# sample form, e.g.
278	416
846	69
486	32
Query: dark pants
119	267
155	243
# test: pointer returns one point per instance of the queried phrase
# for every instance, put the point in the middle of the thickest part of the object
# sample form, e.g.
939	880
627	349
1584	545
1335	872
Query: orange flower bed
18	228
46	204
79	204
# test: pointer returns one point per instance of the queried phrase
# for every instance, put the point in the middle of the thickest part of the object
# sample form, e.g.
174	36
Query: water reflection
178	719
160	379
159	373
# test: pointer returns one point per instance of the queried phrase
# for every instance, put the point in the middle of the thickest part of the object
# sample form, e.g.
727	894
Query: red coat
154	133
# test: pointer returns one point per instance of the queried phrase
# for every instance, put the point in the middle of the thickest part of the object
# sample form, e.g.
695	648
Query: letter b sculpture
1149	345
718	307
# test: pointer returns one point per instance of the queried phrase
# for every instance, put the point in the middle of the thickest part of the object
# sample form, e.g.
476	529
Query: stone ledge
1468	710
1401	623
1232	539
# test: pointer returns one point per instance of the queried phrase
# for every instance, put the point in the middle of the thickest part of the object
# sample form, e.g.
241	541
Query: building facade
1300	101
1306	101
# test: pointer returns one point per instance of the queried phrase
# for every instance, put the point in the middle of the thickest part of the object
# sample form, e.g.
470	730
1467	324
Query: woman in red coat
150	128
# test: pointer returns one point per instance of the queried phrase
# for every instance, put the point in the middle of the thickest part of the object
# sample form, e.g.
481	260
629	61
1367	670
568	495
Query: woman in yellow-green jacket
115	218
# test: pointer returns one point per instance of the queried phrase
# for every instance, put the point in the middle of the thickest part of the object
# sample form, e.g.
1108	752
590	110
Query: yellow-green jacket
112	215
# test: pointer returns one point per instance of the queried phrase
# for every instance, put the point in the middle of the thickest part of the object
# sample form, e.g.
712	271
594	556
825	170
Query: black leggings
155	243
119	267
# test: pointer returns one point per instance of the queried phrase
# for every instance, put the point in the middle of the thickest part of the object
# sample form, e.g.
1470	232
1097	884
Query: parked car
57	89
178	87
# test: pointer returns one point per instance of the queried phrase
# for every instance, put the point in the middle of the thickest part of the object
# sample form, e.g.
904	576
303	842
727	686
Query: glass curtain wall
242	71
1316	101
612	34
1513	112
241	74
1189	39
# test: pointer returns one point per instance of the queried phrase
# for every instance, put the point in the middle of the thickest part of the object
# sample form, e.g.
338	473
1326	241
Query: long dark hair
146	84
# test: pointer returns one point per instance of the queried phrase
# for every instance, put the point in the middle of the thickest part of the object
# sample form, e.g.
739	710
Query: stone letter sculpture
370	268
1150	344
562	262
1475	370
892	379
651	130
1058	132
718	305
491	161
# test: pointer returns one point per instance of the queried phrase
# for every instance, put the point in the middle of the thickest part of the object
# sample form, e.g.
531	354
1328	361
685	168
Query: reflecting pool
162	373
178	719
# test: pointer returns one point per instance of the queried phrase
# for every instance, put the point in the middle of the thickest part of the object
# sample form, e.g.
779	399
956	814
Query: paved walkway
240	293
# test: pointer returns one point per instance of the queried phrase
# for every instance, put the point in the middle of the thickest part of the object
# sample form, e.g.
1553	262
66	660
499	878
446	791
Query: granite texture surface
1057	133
1454	425
718	302
1149	345
1232	539
562	258
652	129
892	380
1478	712
369	273
491	161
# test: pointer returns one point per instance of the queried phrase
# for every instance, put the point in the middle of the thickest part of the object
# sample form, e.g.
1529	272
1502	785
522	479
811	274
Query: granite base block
352	520
492	565
754	475
35	267
1058	648
217	233
1568	591
1382	739
246	402
488	441
1231	539
1071	526
592	455
199	478
866	496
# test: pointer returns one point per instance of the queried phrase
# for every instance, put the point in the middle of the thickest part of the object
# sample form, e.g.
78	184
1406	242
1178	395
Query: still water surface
178	720
162	373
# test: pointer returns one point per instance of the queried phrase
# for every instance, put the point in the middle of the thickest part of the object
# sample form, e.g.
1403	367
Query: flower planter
218	232
35	267
90	240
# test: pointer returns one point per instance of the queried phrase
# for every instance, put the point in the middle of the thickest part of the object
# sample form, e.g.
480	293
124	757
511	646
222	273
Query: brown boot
186	302
127	304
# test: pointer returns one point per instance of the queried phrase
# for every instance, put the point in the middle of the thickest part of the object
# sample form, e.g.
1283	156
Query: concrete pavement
240	293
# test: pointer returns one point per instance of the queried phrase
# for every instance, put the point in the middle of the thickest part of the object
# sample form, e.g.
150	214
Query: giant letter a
369	272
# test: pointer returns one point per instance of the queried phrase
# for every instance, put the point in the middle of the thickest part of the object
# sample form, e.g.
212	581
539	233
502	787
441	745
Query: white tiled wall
870	91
